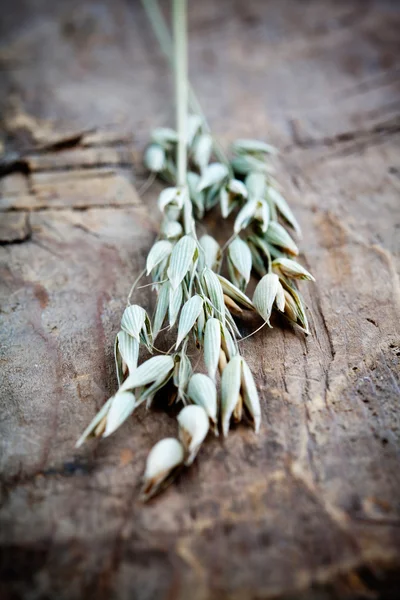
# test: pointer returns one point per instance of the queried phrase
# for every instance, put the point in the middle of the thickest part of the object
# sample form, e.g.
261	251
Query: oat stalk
192	295
181	86
163	36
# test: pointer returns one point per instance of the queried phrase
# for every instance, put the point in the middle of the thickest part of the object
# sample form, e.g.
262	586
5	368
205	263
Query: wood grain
310	507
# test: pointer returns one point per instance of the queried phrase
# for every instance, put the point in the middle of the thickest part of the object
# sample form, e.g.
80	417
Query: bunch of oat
192	295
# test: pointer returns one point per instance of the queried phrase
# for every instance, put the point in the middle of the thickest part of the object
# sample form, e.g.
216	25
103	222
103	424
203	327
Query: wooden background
311	507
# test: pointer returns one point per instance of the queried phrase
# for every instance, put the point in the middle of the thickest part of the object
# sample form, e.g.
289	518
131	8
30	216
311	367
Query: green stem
162	34
138	278
181	86
159	26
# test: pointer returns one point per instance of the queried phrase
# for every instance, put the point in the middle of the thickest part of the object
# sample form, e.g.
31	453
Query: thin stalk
181	86
159	26
163	36
224	247
138	278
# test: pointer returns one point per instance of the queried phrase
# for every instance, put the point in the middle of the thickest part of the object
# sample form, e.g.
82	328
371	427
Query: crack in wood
384	129
79	208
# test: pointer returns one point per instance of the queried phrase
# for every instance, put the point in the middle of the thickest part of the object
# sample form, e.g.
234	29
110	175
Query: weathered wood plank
309	508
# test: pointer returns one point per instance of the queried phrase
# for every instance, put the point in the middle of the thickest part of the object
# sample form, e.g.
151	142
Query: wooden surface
309	508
